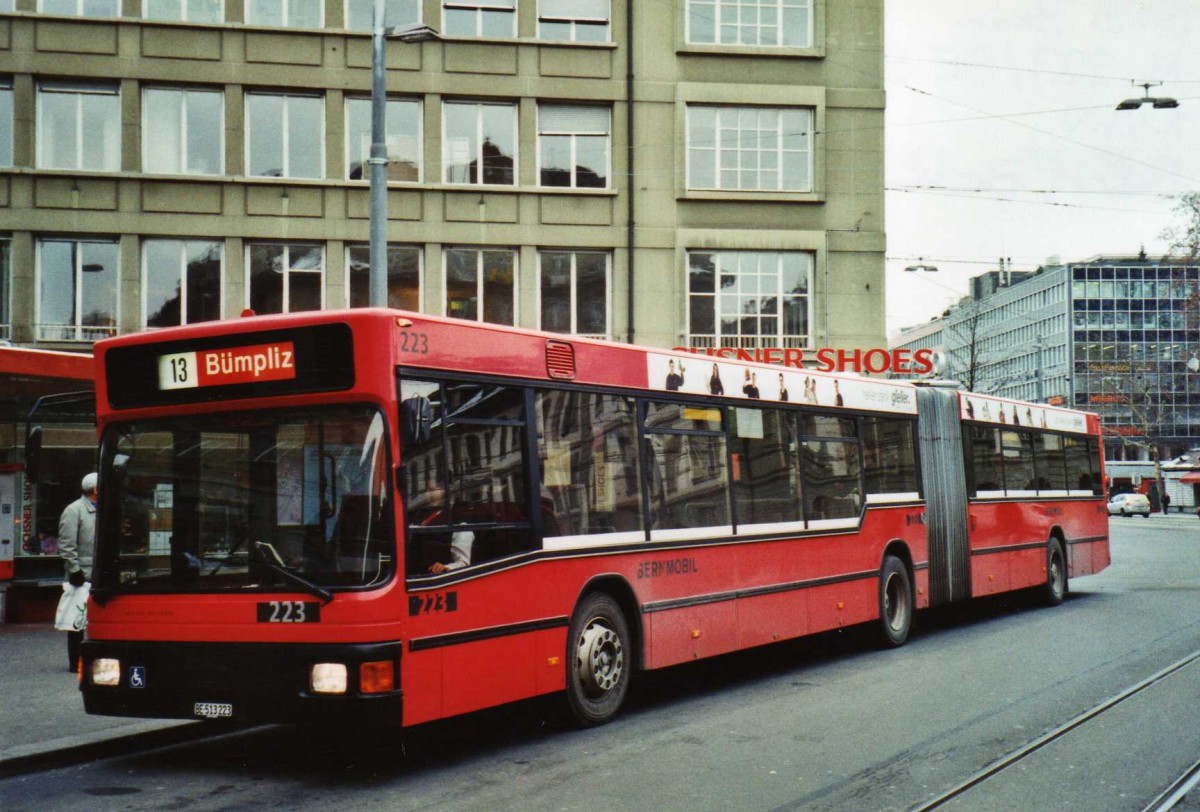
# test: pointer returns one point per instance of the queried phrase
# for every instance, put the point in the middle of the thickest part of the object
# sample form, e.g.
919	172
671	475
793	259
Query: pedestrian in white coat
76	543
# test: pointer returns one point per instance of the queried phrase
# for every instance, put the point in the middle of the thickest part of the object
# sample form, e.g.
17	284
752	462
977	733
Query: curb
91	747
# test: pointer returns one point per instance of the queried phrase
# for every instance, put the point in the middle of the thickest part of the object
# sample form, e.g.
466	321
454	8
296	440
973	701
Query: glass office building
1135	334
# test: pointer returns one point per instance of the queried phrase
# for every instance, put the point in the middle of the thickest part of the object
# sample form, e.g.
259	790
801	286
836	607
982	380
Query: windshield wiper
274	562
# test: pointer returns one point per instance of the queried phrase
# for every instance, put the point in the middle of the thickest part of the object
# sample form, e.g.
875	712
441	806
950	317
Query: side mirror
33	453
416	420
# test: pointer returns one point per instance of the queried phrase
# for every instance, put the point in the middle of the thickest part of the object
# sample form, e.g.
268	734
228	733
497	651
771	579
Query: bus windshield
293	499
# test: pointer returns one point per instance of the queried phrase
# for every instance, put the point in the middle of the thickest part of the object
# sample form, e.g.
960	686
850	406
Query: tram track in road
1165	801
1175	793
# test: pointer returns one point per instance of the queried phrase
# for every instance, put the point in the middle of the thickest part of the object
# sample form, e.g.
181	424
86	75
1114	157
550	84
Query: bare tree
963	340
1131	414
1185	237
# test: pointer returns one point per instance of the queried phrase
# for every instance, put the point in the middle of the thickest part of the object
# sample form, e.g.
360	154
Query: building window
182	282
77	289
749	298
402	132
285	136
6	122
574	292
481	284
574	20
79	127
360	16
750	148
573	145
479	135
403	276
285	13
7	5
480	18
80	8
286	277
183	131
763	23
185	11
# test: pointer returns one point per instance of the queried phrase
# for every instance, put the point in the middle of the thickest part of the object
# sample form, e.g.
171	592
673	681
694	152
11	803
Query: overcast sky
1010	107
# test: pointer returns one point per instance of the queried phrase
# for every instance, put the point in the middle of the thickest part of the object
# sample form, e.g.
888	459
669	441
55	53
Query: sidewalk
41	710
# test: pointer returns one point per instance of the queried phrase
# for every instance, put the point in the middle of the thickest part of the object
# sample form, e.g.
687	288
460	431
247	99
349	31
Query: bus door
943	472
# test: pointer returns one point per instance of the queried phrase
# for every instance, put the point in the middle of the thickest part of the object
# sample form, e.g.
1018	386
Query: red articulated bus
381	516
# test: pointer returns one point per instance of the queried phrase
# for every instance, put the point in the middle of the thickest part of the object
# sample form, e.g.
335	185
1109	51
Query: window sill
246	180
750	196
538	190
560	43
690	49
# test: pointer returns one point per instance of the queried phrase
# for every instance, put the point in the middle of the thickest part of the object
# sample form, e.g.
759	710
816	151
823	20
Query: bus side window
1049	462
832	482
765	473
1017	447
889	455
830	467
590	482
686	462
466	475
986	465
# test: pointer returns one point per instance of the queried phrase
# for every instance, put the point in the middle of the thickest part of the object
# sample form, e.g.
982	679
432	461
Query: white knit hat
89	483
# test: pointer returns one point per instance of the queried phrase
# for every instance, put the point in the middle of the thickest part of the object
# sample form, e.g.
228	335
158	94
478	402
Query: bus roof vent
560	360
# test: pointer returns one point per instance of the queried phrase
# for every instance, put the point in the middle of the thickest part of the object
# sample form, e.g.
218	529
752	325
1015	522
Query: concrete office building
701	172
1115	335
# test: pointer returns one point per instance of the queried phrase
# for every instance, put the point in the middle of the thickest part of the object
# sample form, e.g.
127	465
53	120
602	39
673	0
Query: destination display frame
270	363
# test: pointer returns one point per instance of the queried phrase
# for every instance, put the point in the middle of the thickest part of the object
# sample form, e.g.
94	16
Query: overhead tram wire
1044	71
1026	202
1009	117
921	187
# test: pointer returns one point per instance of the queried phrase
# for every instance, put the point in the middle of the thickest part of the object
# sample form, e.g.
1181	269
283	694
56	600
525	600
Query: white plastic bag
72	608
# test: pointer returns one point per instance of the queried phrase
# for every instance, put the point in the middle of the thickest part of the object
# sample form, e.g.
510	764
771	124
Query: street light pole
378	159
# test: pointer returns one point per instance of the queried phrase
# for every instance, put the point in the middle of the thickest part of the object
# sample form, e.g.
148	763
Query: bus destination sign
231	365
222	367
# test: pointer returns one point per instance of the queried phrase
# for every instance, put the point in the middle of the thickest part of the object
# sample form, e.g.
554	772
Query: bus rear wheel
598	660
896	605
1056	574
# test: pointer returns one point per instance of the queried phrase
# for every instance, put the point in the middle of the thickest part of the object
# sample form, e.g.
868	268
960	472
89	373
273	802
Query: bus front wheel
598	660
896	605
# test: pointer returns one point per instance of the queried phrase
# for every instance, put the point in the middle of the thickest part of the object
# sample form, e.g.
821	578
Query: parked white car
1129	504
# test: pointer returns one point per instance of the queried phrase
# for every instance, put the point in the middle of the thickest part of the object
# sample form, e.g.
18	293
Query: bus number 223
414	342
289	612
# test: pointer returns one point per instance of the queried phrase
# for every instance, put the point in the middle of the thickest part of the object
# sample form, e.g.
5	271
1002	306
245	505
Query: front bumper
238	682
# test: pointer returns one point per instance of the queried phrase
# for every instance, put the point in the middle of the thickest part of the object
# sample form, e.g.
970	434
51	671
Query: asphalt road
828	723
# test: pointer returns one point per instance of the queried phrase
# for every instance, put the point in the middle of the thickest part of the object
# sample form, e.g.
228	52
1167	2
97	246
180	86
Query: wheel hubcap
1056	574
601	658
895	605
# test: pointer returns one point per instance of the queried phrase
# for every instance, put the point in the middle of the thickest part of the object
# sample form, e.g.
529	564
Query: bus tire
1055	588
599	660
896	604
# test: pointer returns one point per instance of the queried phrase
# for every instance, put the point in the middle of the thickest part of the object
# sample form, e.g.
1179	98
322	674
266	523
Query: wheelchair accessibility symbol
137	676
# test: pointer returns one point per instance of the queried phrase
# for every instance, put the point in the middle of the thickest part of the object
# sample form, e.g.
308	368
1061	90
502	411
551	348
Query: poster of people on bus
705	376
986	409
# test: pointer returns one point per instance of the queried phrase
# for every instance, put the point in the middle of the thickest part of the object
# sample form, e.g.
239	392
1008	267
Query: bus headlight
327	678
106	671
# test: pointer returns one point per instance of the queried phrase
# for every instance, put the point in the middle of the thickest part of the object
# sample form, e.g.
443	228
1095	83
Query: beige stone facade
718	178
